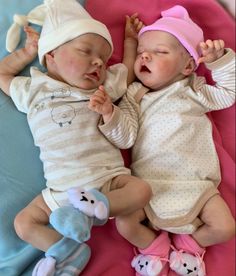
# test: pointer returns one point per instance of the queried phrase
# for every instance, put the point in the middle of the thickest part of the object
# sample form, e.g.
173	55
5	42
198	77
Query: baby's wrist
107	116
30	53
130	40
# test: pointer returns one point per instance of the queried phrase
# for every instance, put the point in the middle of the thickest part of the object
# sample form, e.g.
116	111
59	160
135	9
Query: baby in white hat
78	160
163	118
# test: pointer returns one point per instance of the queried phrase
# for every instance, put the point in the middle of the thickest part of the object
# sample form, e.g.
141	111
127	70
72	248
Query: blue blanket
21	171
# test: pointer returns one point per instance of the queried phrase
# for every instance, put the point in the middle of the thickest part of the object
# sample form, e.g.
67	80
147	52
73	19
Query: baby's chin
87	85
148	83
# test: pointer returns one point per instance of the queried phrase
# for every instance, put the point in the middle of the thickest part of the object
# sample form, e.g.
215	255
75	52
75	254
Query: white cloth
173	149
73	151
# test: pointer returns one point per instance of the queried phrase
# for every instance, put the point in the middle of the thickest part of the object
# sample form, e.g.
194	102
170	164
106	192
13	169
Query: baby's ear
189	67
49	58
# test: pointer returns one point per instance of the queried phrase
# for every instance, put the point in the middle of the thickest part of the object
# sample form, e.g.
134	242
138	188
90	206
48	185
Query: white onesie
73	150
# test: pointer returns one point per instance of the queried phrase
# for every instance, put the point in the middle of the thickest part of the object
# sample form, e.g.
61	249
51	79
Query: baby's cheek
103	76
72	62
167	68
72	66
136	66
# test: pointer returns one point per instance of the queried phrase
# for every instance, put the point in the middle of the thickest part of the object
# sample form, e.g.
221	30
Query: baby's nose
98	62
145	56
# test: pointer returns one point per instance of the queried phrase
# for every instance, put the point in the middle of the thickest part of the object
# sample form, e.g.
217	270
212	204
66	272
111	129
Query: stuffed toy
146	265
186	264
87	208
90	203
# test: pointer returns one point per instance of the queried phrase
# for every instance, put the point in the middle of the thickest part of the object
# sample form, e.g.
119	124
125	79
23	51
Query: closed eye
161	52
139	54
139	51
104	59
84	51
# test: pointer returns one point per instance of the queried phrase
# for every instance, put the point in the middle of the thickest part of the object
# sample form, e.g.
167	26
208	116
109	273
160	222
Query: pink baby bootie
152	261
187	256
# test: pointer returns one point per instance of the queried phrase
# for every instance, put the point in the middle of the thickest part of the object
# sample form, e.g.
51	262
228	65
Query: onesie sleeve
121	130
20	92
116	81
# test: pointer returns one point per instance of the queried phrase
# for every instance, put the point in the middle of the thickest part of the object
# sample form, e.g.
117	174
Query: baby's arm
120	124
12	64
221	62
132	27
101	103
211	50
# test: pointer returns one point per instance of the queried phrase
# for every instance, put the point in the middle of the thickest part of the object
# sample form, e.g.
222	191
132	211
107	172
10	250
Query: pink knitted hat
176	21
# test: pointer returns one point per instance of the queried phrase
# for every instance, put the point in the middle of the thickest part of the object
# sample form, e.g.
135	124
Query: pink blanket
111	254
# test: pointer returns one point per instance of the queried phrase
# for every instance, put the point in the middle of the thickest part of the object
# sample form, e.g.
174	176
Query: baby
78	160
163	118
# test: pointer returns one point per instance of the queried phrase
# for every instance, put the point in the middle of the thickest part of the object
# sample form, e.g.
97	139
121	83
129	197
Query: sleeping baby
162	117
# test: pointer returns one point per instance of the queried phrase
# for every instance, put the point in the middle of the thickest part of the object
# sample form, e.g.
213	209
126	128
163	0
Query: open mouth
94	76
144	69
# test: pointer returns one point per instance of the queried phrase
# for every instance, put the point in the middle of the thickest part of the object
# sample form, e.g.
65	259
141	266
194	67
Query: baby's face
160	59
82	61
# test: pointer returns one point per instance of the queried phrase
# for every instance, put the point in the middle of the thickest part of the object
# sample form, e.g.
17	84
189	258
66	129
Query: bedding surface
21	174
216	23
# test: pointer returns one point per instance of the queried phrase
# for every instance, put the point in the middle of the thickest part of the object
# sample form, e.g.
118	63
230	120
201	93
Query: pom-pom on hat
177	22
64	21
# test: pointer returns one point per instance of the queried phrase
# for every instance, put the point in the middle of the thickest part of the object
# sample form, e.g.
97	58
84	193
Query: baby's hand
211	50
31	44
101	103
133	26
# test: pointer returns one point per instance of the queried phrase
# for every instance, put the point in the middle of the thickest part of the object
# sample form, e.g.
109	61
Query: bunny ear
101	211
135	260
13	37
37	15
154	267
174	260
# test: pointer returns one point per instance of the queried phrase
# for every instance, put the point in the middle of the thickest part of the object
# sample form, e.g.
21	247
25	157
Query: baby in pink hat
163	118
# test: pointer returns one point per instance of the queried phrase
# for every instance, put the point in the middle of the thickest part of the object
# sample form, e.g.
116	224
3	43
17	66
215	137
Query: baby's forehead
159	38
89	38
92	40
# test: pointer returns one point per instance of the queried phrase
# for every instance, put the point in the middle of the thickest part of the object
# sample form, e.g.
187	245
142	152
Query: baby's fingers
201	60
203	46
98	98
94	103
219	44
102	89
133	16
29	30
210	44
138	26
207	46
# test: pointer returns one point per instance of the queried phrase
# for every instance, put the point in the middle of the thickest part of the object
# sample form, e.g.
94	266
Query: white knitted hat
64	21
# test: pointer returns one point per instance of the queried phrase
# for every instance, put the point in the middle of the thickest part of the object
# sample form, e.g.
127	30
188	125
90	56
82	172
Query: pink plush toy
146	265
187	264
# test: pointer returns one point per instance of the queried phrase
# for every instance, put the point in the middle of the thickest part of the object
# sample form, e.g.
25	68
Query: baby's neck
174	80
